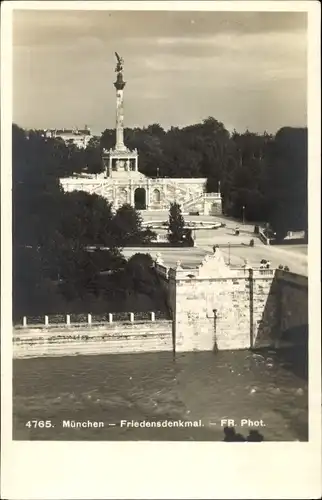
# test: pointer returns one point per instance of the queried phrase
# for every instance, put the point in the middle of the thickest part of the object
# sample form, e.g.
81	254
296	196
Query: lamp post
243	214
215	347
157	171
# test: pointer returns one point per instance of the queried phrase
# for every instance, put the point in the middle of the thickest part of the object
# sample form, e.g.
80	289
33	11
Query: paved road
293	256
297	263
298	248
287	255
192	257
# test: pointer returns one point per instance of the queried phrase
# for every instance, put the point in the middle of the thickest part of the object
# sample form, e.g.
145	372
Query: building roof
72	132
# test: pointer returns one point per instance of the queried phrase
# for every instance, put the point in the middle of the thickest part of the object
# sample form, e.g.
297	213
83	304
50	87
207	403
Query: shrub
256	229
251	243
176	229
286	268
280	267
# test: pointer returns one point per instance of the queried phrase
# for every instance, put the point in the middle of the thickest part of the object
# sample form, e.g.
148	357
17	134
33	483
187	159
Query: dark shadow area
127	286
269	323
140	199
297	335
285	304
232	436
295	359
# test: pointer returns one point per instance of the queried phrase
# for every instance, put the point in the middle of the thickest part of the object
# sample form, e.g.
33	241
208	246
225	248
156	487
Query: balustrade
82	320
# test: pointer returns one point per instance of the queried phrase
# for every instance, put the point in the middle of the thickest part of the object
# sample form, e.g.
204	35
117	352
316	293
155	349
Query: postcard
160	250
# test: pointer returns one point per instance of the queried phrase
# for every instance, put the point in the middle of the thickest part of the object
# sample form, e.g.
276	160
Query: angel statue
119	64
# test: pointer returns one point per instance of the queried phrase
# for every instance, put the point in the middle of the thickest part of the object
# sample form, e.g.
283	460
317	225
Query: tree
286	183
176	231
87	219
138	272
141	281
52	230
93	156
127	227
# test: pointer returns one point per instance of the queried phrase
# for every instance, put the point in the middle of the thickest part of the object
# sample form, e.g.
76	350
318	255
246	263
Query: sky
246	69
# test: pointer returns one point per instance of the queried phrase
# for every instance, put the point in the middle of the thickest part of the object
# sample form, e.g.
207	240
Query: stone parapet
150	336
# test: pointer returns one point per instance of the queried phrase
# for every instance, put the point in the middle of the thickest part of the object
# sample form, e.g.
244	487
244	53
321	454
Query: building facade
121	181
79	137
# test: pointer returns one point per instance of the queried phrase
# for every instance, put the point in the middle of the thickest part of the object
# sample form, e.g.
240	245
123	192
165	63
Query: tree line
54	268
52	230
265	174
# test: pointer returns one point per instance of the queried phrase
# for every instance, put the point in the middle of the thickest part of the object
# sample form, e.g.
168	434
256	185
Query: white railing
212	195
263	237
191	201
70	320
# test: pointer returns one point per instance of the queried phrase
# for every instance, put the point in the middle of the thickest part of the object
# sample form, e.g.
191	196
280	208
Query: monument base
145	193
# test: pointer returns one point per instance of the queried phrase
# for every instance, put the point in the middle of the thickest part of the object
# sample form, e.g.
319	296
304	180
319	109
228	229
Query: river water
268	389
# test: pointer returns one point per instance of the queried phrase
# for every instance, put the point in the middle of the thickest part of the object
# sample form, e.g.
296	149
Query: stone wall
293	300
236	312
95	339
216	307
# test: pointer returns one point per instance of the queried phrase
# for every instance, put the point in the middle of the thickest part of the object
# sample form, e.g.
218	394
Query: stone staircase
195	203
185	198
104	189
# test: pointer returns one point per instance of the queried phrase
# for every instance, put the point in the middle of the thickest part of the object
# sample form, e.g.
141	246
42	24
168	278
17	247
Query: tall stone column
119	85
121	159
119	121
131	193
148	194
